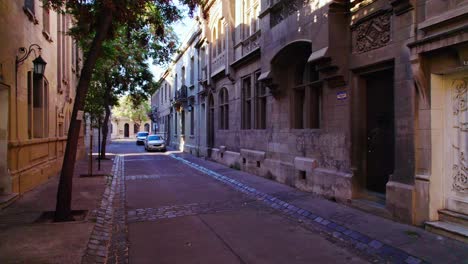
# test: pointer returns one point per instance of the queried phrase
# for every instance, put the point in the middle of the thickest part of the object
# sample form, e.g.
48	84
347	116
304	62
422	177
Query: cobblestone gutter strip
110	223
166	212
360	241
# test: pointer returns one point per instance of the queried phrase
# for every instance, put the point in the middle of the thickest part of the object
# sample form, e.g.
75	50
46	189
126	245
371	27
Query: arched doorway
210	123
126	130
147	127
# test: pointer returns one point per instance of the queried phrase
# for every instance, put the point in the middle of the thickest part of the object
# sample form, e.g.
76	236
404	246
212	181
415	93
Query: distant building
123	127
361	102
35	110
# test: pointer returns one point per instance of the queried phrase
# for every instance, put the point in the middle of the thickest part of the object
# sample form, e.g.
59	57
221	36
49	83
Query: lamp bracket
24	53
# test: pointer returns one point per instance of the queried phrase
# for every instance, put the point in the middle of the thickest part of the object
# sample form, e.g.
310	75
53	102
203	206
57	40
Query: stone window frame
223	109
175	124
46	23
192	71
246	102
307	91
38	106
182	122
213	43
250	20
192	117
29	8
261	96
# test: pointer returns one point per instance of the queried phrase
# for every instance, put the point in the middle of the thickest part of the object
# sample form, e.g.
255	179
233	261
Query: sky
181	28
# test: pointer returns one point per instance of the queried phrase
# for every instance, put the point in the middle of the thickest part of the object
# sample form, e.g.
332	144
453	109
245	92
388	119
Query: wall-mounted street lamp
39	63
39	68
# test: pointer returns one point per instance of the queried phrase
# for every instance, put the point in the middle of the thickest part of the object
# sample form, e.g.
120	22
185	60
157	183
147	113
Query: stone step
7	199
453	217
448	229
373	206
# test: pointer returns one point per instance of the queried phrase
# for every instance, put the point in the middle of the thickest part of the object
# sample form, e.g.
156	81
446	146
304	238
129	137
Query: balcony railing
181	94
218	63
251	43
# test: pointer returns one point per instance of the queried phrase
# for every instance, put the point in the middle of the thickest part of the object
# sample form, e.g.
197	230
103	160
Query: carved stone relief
459	144
372	34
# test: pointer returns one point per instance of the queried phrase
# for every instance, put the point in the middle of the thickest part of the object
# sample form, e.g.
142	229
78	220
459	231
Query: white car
141	137
155	142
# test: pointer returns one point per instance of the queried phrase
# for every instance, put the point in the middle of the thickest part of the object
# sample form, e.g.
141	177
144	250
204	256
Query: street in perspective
233	131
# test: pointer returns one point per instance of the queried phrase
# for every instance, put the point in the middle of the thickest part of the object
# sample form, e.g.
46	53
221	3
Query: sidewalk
23	240
369	233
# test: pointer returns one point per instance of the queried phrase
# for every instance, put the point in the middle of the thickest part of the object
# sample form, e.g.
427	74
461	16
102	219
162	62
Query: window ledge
47	36
30	15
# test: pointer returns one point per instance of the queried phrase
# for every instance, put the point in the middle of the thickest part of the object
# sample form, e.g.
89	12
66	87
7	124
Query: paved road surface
176	214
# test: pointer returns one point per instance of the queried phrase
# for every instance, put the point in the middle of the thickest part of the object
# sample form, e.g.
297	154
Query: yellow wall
32	161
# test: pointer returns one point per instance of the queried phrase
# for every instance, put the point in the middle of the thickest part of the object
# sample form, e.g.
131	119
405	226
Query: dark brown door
380	130
126	130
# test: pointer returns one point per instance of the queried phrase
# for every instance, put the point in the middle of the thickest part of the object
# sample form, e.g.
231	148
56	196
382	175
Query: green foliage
136	112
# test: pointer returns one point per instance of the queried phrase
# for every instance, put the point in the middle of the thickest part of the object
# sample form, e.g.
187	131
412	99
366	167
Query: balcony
180	96
218	63
251	43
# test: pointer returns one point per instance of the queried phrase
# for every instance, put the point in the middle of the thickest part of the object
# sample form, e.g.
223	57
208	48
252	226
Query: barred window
223	109
261	102
246	96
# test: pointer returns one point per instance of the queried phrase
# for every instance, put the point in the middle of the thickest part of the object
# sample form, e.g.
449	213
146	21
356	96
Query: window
38	106
29	5
223	109
220	45
75	57
192	118
250	21
175	81
175	123
192	71
183	75
46	20
246	96
307	98
213	47
182	120
261	101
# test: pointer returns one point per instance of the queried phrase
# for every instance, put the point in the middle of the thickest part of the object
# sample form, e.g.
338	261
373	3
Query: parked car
141	136
155	142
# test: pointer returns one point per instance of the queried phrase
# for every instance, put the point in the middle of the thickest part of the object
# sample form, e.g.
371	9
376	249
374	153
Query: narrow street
177	214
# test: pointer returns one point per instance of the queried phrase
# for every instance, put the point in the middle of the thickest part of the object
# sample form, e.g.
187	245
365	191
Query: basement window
258	164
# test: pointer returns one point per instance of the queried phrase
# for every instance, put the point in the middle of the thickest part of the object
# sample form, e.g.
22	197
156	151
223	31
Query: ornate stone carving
372	34
459	176
251	43
285	8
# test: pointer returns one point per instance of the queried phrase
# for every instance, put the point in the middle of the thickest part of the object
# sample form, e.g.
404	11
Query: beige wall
33	160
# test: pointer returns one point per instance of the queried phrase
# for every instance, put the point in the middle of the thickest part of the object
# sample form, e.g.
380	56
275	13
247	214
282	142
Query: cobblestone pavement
163	208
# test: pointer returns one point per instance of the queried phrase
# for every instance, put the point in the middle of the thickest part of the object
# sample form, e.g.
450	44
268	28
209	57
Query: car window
142	134
154	138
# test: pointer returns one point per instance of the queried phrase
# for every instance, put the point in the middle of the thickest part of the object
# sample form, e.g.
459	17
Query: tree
121	71
127	108
97	21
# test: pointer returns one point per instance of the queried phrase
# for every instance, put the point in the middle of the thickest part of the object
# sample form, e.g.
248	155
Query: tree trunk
105	127
64	192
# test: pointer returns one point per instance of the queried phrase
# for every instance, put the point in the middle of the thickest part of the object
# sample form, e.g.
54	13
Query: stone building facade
124	127
35	110
344	99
